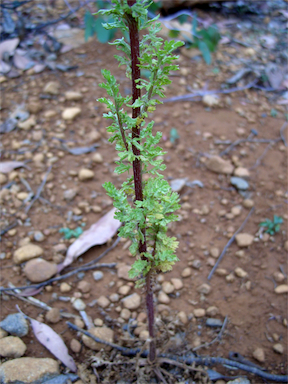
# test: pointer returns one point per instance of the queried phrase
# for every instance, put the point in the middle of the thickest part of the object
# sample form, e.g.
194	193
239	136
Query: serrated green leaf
205	52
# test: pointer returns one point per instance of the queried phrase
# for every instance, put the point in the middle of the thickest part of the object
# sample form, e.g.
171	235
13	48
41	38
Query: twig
281	133
258	161
229	243
10	226
39	190
248	140
217	338
200	360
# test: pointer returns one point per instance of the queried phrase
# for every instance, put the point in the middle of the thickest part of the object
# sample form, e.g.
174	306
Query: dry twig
39	190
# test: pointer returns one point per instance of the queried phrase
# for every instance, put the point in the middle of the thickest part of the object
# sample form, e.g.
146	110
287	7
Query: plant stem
137	169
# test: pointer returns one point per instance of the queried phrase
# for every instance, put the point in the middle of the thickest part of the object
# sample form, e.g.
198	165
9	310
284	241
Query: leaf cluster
272	226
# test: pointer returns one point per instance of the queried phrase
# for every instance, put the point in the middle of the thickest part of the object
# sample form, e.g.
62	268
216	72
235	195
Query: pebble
124	290
65	287
211	100
144	334
78	304
218	165
12	346
69	194
244	239
212	311
103	302
97	158
239	183
3	333
122	272
236	211
38	236
199	312
73	95
97	275
186	272
221	272
27	124
85	174
114	297
125	314
230	278
39	270
241	172
240	253
214	252
103	333
27	252
34	107
278	277
259	355
75	346
278	348
15	324
53	315
286	245
196	264
163	298
71	113
168	287
132	301
52	88
94	136
239	272
3	178
283	288
98	322
178	284
240	380
182	317
205	289
84	286
30	370
177	184
213	323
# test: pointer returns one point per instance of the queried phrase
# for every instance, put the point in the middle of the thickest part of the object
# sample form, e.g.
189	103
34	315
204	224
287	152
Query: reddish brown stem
137	169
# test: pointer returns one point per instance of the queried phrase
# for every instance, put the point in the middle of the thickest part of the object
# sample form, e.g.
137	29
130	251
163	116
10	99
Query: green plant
272	226
145	207
69	233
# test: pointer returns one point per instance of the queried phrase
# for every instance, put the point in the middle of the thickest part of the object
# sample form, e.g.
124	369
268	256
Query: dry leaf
8	166
99	233
53	342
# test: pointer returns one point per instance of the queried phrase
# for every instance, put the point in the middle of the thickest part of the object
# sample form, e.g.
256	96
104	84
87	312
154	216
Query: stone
34	107
85	174
69	194
39	270
236	211
38	236
53	315
22	196
213	323
125	314
132	301
27	124
177	184
103	333
15	324
94	136
124	290
211	100
71	113
49	114
103	302
286	245
239	272
98	322
144	334
241	172
244	239
168	287
12	346
218	165
278	348
122	272
73	96
283	288
3	178
178	283
230	278
27	252
240	380
212	311
28	370
52	88
84	286
205	289
196	264
98	275
163	298
248	203
114	297
259	355
239	183
278	277
75	345
78	304
182	317
186	272
65	288
214	252
3	333
97	158
199	312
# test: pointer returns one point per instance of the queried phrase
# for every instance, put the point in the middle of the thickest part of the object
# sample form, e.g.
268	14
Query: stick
39	190
217	338
248	140
258	161
229	243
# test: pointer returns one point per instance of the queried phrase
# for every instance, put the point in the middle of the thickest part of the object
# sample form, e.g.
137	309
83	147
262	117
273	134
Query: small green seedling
272	226
69	233
174	135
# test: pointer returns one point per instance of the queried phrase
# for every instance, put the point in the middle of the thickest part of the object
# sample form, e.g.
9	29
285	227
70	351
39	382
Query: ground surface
256	314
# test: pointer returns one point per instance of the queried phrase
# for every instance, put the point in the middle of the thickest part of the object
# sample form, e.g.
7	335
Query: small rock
283	288
259	355
28	370
122	272
248	203
239	272
71	113
38	236
84	286
49	114
144	334
163	298
97	158
278	348
3	178
102	333
236	211
3	333
196	264
214	252
94	136
177	184
53	315
218	165
27	252
212	311
52	88
199	312
240	380
97	275
12	346
73	95
69	194
103	302
241	172
244	239
125	314
182	317
15	324
178	284
124	290
98	322
213	323
22	196
114	297
85	174
168	287
230	278
278	277
186	272
75	345
211	100
38	270
286	245
205	289
78	304
27	124
64	288
132	301
239	183
34	107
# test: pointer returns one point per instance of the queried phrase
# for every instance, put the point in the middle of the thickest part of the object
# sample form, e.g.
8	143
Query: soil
257	316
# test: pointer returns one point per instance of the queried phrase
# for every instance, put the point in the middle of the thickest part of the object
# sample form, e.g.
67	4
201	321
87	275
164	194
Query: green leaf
173	33
103	35
89	25
205	52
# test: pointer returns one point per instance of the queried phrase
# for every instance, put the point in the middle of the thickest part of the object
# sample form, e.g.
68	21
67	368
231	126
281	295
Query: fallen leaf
8	166
21	61
99	233
8	46
53	342
30	292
